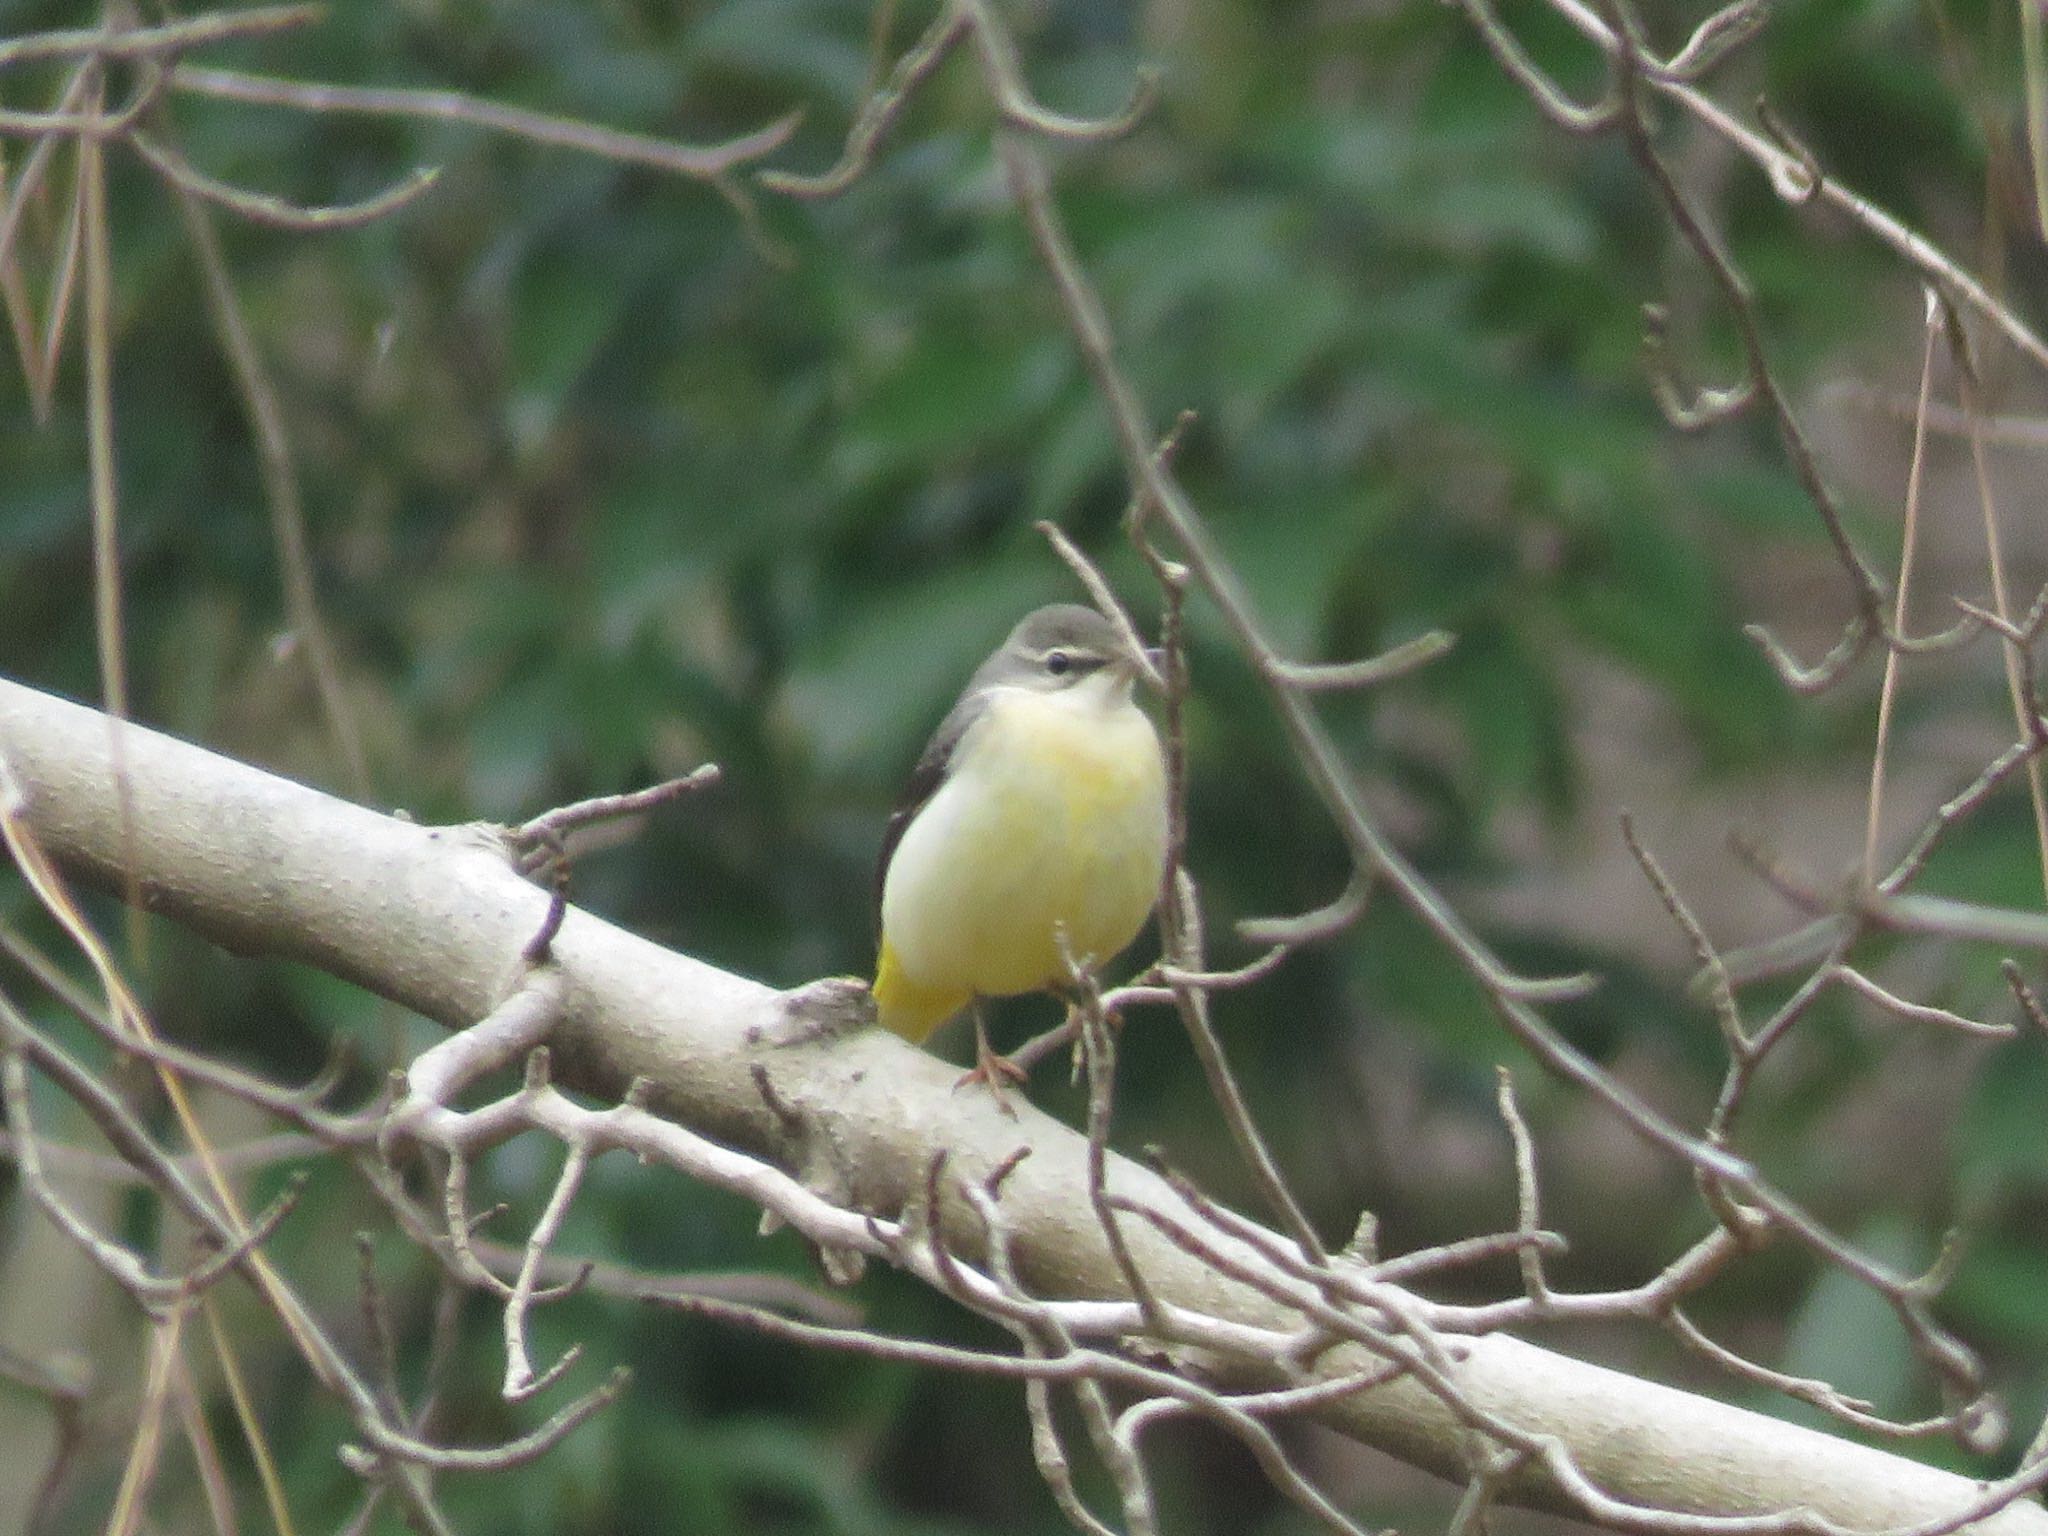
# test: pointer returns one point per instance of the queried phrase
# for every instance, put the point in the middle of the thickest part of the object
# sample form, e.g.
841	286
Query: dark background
602	483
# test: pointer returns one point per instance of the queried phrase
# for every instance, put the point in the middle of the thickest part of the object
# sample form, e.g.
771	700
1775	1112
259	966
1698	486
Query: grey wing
925	779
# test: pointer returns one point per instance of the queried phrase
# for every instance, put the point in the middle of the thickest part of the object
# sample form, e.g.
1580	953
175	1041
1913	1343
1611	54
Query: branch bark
436	919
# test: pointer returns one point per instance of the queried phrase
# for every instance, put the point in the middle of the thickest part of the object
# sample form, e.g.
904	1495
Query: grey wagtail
1033	829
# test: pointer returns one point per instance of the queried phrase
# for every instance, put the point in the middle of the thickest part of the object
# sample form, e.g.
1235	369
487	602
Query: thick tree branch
437	919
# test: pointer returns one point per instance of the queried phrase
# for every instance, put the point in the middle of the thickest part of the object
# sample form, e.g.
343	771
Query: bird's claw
992	1069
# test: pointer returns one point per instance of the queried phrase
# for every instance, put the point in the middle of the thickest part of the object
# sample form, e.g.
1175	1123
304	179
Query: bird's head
1064	648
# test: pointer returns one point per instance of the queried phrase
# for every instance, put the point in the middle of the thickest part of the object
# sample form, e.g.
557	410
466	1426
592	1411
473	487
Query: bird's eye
1058	663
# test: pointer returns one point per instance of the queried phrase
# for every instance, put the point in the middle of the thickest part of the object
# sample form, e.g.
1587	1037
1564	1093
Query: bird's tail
908	1008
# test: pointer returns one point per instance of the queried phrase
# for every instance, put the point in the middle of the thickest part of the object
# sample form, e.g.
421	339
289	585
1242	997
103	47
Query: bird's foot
992	1070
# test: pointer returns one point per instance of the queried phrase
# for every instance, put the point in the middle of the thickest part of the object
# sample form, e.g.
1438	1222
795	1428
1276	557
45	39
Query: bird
1032	833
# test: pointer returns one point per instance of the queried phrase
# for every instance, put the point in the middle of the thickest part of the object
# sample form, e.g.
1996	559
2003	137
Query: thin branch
1105	600
280	484
548	834
878	112
106	549
377	1325
1005	77
61	303
166	40
1910	545
64	1386
1511	995
1919	1013
275	212
139	1470
1761	383
697	162
396	1445
1528	1208
1823	674
1548	97
1720	983
1908	244
520	1380
2018	683
1942	419
1408	656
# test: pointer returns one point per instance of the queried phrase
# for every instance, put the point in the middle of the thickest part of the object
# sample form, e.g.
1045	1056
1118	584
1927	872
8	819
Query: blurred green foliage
603	481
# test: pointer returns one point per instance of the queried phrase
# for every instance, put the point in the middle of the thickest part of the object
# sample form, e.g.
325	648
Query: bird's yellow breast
1051	821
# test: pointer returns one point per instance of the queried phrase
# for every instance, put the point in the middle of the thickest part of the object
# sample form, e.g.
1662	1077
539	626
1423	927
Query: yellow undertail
907	1009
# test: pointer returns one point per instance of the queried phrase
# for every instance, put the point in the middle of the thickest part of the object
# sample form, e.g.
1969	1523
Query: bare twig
1106	604
1941	418
697	162
1785	169
879	111
263	208
1909	546
1513	997
64	1386
280	484
547	834
166	40
1399	661
160	1297
1528	1211
2017	662
1005	78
